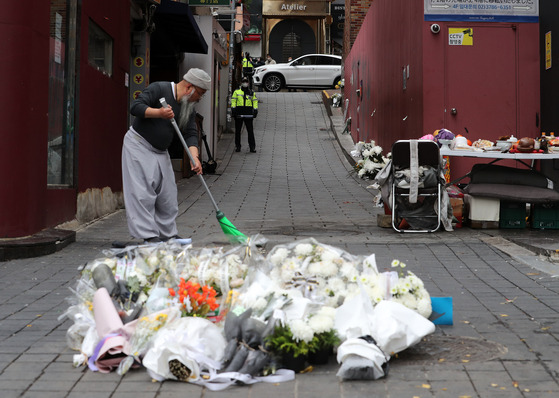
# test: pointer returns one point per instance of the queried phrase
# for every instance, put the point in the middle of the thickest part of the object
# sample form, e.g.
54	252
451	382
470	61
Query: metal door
481	80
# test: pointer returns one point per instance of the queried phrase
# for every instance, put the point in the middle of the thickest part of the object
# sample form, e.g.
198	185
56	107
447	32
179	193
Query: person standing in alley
244	106
248	68
269	60
148	179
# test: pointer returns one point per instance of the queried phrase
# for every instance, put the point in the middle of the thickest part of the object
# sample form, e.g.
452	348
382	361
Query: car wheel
336	81
272	83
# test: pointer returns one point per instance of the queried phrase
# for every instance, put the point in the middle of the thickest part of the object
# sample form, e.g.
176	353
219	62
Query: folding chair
416	185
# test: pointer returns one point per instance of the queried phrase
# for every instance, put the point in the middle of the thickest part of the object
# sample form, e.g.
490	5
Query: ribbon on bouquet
390	280
220	381
95	355
305	284
248	249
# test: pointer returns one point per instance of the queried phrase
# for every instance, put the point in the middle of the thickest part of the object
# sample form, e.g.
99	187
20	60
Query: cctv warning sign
460	37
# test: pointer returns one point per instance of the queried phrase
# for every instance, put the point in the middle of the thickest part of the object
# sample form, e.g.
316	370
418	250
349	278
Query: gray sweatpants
150	190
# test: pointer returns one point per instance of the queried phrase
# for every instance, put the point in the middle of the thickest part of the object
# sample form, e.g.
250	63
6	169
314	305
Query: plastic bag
361	359
196	343
395	327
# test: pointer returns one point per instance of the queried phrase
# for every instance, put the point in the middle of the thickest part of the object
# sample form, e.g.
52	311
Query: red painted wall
26	205
395	35
23	111
389	40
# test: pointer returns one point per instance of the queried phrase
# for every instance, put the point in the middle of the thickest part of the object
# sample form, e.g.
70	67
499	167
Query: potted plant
292	351
321	346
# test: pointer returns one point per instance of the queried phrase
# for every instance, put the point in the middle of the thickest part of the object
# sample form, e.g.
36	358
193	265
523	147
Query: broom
232	233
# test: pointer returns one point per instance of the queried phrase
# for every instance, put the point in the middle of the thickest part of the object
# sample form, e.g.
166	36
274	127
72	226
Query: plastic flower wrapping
219	316
370	159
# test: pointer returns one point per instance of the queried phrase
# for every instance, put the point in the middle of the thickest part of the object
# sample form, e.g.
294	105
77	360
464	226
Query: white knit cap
199	78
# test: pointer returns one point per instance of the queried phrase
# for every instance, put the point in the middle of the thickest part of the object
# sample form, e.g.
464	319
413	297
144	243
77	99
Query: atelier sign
300	8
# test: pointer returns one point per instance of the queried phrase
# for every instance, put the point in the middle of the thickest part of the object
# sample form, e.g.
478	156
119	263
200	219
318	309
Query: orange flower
201	298
172	292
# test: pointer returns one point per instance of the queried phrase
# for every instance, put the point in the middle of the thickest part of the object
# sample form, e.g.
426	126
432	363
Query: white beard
187	108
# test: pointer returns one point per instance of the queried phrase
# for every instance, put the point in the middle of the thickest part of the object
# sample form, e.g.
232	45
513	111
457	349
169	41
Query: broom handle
174	123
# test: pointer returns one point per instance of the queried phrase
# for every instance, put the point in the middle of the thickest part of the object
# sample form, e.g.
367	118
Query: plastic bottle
543	142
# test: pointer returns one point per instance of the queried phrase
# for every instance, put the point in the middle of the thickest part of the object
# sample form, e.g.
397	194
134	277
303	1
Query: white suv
307	71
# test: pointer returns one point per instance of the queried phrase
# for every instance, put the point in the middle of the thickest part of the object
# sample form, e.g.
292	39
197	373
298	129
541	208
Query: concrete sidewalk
504	341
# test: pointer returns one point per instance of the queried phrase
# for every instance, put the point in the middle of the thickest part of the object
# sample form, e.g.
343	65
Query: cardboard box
482	212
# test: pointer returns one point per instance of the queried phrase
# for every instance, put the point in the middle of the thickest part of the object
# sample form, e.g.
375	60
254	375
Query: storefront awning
176	31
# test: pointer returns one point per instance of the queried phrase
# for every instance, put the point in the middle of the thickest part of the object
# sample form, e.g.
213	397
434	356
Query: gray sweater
159	132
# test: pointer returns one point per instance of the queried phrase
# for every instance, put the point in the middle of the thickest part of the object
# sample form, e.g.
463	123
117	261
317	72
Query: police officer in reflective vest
244	107
248	68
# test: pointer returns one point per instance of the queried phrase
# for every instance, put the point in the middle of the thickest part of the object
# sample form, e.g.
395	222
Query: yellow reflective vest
244	103
248	68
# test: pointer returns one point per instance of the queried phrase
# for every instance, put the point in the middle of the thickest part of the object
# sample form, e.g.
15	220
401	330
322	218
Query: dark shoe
172	237
253	150
155	239
238	149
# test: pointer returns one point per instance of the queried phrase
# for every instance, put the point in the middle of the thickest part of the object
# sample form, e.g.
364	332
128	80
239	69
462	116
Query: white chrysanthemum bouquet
369	159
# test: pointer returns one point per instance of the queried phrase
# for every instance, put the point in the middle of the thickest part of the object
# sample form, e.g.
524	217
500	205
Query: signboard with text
482	10
299	8
213	3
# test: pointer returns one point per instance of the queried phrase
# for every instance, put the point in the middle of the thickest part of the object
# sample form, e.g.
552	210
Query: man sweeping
150	191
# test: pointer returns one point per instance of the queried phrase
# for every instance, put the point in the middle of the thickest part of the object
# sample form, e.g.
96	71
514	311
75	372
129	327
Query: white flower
329	255
303	249
321	323
315	268
260	304
233	259
279	256
327	311
395	263
349	271
323	268
409	301
424	307
367	152
153	260
377	150
335	284
301	330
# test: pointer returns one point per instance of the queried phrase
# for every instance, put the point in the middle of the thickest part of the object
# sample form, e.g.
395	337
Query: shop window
63	55
100	49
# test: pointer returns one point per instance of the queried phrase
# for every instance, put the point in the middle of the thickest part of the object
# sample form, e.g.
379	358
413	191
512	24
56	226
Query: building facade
70	70
413	69
295	28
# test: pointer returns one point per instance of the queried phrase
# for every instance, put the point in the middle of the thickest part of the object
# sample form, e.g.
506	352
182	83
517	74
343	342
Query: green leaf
134	284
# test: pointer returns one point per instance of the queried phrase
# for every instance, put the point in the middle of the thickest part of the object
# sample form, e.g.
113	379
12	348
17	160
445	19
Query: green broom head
232	233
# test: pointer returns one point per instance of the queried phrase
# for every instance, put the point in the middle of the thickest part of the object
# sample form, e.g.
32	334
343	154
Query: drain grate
449	349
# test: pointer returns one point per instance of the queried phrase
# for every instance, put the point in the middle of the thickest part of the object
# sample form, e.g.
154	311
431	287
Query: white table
496	156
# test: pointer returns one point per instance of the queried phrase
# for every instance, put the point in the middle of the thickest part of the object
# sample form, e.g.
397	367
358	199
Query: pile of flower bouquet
217	317
369	159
